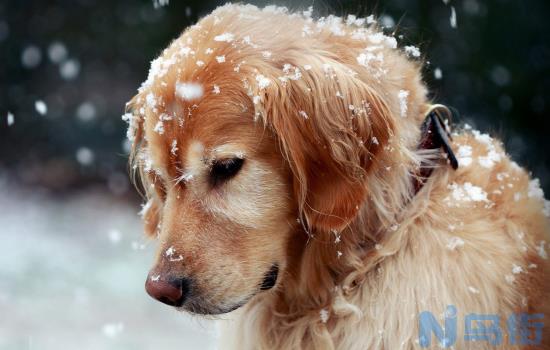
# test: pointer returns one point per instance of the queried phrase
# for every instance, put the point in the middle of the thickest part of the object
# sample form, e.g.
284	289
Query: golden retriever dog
296	170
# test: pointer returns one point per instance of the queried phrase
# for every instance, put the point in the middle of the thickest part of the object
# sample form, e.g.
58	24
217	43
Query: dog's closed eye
224	169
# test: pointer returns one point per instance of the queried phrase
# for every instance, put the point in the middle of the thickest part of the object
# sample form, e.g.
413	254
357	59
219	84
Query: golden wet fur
326	115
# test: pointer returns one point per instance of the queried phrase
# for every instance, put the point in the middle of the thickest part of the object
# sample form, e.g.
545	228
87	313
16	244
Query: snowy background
72	273
73	259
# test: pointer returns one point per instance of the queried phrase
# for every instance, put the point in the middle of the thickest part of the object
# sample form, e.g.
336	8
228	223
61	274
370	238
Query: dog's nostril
171	291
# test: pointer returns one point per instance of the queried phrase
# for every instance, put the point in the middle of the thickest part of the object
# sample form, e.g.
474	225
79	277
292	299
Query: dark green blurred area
495	69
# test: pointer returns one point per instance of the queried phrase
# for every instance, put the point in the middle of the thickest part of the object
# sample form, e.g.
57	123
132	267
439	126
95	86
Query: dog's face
237	133
223	201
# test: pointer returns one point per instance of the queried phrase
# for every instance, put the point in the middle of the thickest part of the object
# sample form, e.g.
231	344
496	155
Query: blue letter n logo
428	324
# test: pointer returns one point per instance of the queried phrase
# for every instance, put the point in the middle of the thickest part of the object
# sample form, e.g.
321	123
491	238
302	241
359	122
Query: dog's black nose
171	291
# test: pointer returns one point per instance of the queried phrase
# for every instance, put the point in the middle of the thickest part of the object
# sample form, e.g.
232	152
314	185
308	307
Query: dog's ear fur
331	125
151	216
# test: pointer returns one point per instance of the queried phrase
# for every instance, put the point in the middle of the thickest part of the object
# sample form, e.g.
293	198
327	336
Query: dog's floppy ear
331	125
141	174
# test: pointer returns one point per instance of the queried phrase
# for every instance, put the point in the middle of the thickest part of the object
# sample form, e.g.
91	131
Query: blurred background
73	259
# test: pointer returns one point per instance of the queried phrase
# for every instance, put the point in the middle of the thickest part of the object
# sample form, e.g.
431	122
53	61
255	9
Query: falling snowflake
438	74
85	156
114	236
31	57
57	52
111	330
69	69
452	20
160	3
10	119
41	107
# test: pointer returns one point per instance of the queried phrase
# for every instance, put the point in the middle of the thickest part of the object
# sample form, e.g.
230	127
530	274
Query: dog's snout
171	290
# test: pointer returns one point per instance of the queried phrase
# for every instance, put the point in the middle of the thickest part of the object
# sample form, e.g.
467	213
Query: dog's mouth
270	278
200	307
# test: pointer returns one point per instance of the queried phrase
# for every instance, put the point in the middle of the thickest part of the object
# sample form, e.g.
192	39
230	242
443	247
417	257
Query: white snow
452	20
170	251
58	248
10	119
41	107
159	127
464	155
216	89
380	38
438	73
200	63
160	3
69	69
534	190
489	160
266	54
86	111
189	91
492	156
324	315
174	147
155	278
31	57
412	51
304	114
465	193
132	125
111	330
220	59
370	19
541	250
516	269
85	156
403	95
57	52
473	290
114	236
226	37
454	243
263	82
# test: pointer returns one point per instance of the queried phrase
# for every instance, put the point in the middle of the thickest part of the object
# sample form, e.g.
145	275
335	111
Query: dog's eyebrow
228	150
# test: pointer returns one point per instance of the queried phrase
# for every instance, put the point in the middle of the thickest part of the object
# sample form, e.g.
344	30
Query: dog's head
249	133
